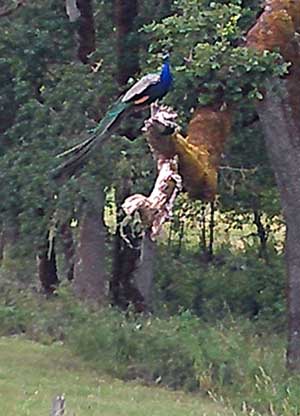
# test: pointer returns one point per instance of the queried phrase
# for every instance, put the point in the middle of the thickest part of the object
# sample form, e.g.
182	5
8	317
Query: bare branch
155	209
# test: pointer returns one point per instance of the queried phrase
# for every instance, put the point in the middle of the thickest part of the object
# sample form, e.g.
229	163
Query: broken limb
154	210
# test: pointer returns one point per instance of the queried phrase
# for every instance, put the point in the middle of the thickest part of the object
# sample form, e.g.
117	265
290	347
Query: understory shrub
227	360
239	283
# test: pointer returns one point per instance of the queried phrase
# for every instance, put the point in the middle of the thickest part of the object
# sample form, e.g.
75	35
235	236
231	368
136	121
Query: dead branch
155	209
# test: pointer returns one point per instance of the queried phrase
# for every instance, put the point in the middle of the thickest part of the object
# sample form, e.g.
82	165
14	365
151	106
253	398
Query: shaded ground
32	374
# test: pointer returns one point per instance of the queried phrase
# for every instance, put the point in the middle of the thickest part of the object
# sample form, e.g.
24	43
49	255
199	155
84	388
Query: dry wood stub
192	162
155	209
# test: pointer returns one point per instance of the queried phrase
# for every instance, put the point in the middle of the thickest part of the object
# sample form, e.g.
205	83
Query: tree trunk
126	12
164	8
89	271
144	275
123	286
282	135
124	258
279	112
68	249
86	30
127	55
46	267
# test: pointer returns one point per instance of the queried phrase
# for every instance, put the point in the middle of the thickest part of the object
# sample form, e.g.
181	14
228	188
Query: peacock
148	89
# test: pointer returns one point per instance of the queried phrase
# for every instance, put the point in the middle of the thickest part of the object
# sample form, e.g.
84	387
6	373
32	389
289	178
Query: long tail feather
79	153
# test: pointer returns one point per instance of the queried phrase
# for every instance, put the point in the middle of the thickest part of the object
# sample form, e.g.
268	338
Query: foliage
239	283
210	59
245	285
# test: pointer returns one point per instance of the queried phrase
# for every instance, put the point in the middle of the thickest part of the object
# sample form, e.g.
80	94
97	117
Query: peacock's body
148	89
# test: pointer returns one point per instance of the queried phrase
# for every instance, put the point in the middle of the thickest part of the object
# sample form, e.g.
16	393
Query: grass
31	375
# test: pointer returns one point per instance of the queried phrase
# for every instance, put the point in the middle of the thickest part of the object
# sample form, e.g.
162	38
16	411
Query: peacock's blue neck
166	75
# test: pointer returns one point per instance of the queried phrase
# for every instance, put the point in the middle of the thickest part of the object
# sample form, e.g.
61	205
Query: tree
89	254
126	13
279	113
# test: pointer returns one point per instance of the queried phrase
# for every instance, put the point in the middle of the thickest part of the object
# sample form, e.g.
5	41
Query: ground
32	374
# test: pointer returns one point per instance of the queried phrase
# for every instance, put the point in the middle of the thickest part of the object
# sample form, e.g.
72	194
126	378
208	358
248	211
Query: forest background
206	308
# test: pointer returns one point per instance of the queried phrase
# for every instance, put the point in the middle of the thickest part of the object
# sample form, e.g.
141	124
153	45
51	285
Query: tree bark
164	8
66	237
90	278
282	135
86	30
144	274
123	286
126	12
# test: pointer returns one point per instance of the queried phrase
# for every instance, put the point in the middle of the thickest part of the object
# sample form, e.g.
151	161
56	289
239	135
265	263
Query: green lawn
32	374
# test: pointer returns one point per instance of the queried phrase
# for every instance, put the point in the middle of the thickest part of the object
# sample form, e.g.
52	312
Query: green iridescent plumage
149	89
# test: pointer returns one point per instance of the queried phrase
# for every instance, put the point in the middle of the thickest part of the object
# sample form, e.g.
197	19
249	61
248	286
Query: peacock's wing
141	86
